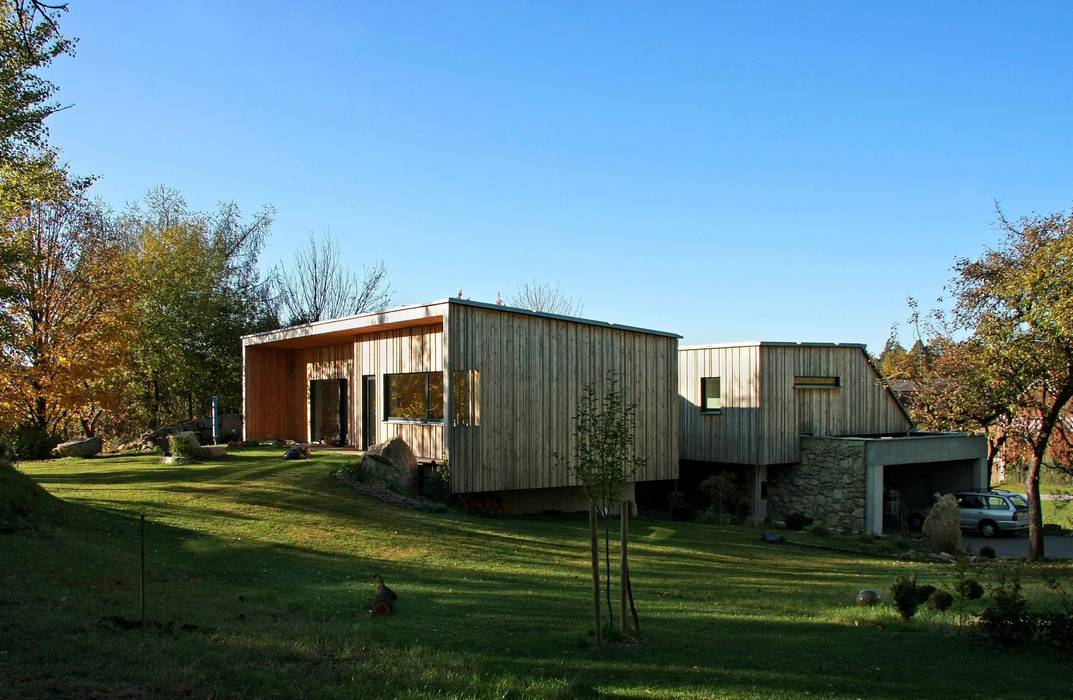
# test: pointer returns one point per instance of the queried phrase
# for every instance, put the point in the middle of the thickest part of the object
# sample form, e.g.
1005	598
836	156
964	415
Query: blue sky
727	171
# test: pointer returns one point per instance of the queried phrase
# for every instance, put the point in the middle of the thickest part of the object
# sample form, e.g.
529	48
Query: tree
317	286
29	40
543	298
1016	302
199	291
62	325
603	460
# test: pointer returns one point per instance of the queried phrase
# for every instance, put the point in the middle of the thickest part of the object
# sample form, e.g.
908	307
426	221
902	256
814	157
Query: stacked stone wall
828	485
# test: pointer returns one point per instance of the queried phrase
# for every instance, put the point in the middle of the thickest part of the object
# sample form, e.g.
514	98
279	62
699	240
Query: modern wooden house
812	428
492	388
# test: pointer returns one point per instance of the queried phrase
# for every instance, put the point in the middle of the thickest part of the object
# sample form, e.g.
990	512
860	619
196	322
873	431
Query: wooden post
595	575
141	573
624	530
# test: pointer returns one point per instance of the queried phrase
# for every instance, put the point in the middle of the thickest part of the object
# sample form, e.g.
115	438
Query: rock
867	597
394	462
298	452
184	444
773	539
213	451
82	447
176	459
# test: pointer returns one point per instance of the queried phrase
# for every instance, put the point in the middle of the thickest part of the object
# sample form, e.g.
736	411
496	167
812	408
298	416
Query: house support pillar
980	478
873	500
759	499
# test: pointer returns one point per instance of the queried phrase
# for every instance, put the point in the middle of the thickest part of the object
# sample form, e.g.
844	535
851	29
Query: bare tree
544	298
317	285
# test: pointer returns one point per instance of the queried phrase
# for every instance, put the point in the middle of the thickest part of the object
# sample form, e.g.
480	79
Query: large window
416	396
465	398
816	382
711	395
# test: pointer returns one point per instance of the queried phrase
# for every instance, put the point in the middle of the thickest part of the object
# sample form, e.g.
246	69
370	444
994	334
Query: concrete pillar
980	478
873	500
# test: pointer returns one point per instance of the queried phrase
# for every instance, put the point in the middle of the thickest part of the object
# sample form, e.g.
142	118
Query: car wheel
988	528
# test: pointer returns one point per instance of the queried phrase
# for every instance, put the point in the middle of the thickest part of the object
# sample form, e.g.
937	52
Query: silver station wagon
992	512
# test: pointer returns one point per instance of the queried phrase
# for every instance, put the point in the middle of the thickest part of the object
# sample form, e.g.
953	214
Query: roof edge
559	317
772	343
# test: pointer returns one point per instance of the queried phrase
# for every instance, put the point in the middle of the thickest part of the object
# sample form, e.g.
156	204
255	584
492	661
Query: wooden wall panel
532	370
416	349
266	393
729	436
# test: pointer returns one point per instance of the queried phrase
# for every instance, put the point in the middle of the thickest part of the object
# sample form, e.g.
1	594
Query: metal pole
141	574
216	420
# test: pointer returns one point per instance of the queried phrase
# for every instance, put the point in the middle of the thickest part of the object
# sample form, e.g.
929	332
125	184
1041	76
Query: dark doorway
328	400
368	411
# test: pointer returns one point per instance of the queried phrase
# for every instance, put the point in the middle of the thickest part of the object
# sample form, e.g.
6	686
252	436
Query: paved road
1056	546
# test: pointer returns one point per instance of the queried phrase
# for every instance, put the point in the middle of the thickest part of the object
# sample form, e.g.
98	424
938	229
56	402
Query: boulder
867	597
184	444
395	463
82	447
174	459
213	451
297	452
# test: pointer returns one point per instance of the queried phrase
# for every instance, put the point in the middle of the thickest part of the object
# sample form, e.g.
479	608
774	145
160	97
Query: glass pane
435	395
712	395
405	394
1019	502
327	426
816	381
997	503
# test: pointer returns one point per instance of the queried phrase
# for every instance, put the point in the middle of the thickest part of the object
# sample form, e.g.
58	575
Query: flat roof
410	315
771	343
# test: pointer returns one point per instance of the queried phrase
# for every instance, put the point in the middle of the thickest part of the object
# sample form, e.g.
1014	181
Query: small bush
680	508
712	516
942	527
1006	619
940	601
184	445
904	595
969	589
924	593
797	521
987	552
27	443
819	530
1055	629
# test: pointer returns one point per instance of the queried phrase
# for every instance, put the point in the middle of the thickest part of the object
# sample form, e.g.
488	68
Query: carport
918	465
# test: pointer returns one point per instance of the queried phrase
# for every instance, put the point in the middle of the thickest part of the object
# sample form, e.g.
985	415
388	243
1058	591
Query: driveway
1016	545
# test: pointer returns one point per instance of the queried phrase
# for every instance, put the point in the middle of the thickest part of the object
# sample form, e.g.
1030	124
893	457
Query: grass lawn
1059	512
270	563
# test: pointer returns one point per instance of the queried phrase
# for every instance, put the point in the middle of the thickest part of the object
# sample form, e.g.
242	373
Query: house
811	428
490	388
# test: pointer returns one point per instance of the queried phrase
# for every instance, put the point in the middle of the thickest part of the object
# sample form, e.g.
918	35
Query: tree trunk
994	446
607	568
1035	508
598	623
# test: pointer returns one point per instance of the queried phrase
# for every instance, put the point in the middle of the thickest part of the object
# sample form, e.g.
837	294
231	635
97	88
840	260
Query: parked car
988	512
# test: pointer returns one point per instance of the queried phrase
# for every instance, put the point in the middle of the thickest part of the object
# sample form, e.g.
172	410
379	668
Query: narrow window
816	382
416	396
711	396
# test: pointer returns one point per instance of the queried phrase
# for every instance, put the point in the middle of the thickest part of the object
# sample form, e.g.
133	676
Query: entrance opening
368	411
328	411
909	489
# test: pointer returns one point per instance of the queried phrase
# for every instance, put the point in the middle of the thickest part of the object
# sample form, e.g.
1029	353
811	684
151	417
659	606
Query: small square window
711	396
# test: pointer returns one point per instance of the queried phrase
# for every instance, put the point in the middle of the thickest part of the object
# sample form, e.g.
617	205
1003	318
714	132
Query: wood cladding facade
523	373
764	414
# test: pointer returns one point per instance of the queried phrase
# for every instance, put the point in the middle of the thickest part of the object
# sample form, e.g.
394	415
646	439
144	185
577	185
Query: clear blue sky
728	171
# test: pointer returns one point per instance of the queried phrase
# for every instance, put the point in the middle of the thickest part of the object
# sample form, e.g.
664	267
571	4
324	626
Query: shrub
904	595
987	552
924	593
969	589
942	527
680	508
712	516
27	442
1006	619
819	530
184	445
1055	629
940	601
722	491
797	521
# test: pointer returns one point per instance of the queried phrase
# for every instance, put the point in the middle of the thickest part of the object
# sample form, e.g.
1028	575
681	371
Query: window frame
807	381
704	396
428	419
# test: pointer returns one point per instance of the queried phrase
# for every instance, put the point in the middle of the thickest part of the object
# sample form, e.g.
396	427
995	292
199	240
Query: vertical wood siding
732	435
532	370
417	349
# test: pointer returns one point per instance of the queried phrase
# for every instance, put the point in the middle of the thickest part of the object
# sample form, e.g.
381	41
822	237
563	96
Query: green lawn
1058	512
270	561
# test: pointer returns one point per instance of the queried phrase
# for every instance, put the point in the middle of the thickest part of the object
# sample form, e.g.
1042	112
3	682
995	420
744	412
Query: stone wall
828	485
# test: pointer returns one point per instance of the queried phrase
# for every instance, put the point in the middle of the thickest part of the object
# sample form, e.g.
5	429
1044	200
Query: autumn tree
317	285
544	298
1016	303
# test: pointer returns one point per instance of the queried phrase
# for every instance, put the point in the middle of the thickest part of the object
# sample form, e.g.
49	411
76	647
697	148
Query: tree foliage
317	285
